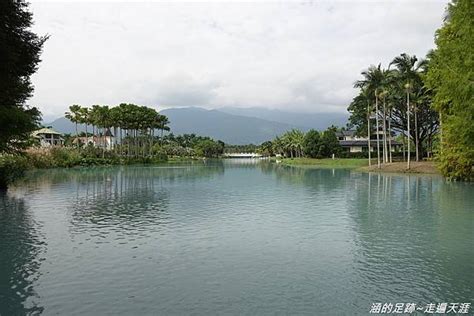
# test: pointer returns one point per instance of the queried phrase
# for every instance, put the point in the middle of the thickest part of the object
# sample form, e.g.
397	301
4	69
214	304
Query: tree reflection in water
416	230
21	249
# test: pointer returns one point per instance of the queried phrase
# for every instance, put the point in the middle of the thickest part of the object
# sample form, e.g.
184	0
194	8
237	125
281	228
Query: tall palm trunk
121	147
77	137
368	131
403	148
104	143
377	128
115	139
417	144
128	142
87	136
385	153
390	134
408	129
152	135
93	136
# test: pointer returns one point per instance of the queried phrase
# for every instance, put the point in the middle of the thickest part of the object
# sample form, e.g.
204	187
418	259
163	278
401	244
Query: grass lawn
426	167
326	162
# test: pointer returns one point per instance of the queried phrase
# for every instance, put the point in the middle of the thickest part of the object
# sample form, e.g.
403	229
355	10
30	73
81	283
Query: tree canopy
382	100
313	144
451	77
20	51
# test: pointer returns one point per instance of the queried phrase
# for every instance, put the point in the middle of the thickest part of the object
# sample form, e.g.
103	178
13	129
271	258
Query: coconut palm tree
373	80
408	87
297	139
408	72
94	117
84	118
162	123
74	115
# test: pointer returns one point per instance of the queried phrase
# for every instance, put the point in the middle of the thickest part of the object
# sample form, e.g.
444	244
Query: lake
232	237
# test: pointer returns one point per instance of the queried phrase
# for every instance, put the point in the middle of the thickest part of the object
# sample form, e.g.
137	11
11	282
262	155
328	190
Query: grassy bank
13	166
351	163
426	167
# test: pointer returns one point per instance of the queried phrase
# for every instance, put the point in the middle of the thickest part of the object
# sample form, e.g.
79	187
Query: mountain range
233	125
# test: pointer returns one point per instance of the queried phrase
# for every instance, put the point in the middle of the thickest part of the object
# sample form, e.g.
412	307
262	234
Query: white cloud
303	56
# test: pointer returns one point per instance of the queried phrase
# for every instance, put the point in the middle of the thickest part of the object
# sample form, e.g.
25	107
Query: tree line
396	100
189	145
450	78
429	102
297	144
133	126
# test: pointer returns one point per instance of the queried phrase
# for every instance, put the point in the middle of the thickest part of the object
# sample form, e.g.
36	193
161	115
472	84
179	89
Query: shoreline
421	167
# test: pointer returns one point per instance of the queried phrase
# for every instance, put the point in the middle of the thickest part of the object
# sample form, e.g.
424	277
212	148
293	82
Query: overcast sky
299	56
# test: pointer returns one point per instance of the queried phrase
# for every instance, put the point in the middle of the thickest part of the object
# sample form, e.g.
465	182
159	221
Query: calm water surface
233	237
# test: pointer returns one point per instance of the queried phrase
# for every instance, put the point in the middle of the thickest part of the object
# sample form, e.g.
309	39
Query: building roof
45	130
347	143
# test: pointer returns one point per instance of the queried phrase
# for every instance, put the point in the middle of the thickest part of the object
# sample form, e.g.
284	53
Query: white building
48	137
350	142
103	141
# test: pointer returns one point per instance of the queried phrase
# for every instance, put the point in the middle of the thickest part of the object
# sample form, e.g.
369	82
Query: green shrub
12	167
65	157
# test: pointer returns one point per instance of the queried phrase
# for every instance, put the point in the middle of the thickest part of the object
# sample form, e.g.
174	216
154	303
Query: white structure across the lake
242	155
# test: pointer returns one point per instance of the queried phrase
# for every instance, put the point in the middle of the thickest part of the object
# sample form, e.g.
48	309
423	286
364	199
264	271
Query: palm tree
115	118
408	87
162	123
297	139
84	118
74	115
369	113
383	95
408	72
277	145
373	81
94	117
361	106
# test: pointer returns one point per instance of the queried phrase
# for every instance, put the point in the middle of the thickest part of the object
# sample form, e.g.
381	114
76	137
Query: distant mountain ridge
219	124
232	129
318	121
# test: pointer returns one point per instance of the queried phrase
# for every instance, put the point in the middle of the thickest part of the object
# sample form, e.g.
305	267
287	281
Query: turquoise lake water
230	238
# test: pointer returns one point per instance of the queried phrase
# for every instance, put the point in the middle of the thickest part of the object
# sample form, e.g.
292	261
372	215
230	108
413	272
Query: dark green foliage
311	143
189	145
329	144
12	167
266	149
209	148
389	89
16	125
62	157
19	56
132	126
451	76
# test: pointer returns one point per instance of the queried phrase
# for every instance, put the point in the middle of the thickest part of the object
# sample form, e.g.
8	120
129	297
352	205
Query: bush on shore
12	167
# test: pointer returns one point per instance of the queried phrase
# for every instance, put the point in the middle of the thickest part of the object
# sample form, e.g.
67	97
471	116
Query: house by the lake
103	141
350	142
48	137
